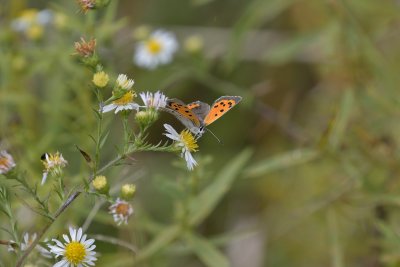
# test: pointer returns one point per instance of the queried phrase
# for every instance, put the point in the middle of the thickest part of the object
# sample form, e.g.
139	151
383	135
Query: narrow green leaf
281	161
256	14
206	251
168	235
104	139
206	201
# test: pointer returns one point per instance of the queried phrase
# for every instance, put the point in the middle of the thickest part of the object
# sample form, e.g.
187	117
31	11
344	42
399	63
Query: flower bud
146	118
100	184
128	191
100	79
193	44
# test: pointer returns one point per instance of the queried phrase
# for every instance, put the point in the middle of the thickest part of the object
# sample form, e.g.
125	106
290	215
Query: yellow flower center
122	209
125	99
154	46
189	141
75	252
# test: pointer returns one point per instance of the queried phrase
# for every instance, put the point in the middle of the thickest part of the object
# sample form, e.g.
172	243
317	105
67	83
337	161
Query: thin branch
4	242
115	241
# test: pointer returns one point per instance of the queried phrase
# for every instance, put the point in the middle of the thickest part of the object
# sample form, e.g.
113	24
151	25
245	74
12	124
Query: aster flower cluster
32	22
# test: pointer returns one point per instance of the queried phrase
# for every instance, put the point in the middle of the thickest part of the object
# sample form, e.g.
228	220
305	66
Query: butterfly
197	115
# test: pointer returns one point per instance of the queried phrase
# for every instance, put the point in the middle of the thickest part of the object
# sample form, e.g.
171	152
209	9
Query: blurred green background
307	174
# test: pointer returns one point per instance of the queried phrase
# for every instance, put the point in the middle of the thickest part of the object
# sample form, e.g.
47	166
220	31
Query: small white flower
53	163
121	211
6	162
157	50
124	82
123	103
76	251
27	241
186	141
156	100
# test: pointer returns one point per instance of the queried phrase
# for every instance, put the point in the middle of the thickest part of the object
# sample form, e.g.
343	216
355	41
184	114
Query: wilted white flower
53	163
76	251
186	141
6	162
157	50
121	211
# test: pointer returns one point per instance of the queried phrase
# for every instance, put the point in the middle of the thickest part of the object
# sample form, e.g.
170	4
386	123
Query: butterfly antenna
219	141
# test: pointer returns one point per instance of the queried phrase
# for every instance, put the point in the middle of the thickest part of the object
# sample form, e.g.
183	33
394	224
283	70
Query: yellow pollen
125	99
75	252
154	46
122	209
53	160
189	141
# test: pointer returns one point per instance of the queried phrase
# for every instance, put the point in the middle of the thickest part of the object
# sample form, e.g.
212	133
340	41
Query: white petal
108	108
61	263
72	233
66	238
79	235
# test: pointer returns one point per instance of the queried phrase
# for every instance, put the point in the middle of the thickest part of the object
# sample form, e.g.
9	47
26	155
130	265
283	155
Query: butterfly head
198	131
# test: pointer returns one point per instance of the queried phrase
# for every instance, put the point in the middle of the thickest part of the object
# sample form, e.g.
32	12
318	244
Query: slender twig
4	242
92	214
115	241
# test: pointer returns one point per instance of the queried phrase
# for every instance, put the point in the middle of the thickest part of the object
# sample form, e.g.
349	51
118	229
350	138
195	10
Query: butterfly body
197	115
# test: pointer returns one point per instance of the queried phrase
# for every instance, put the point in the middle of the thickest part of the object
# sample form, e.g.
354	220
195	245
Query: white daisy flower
53	163
121	211
76	251
157	50
125	83
123	103
186	141
156	100
6	162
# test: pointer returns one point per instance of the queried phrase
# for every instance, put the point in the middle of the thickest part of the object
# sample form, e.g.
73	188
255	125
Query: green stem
126	131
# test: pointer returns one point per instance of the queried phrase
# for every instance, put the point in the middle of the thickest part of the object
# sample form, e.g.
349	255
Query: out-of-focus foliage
308	172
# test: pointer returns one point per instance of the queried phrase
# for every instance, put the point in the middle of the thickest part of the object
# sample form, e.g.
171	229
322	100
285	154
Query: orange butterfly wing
221	106
193	105
183	111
